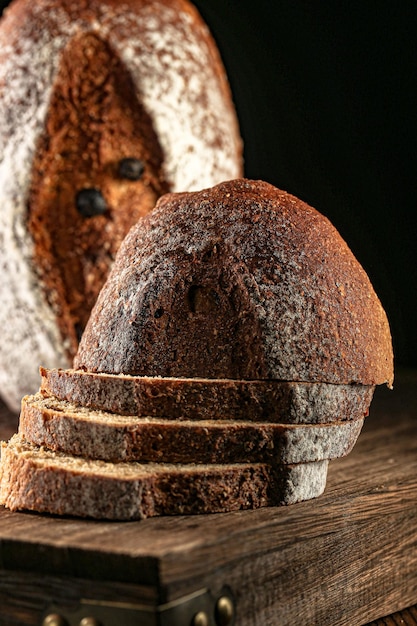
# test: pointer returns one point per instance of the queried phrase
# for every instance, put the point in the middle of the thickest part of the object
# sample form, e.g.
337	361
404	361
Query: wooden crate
345	559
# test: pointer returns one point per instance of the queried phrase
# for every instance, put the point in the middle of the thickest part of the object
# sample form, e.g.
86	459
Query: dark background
327	101
326	97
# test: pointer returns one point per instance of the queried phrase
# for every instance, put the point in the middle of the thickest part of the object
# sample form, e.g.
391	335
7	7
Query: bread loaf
241	281
104	106
38	479
227	312
75	430
215	399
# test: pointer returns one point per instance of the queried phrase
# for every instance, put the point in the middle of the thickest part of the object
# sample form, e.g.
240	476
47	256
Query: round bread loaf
104	106
240	281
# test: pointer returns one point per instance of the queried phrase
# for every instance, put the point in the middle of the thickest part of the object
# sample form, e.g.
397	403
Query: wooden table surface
347	558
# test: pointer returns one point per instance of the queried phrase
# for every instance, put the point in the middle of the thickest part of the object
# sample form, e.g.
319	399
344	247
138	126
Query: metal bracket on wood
201	608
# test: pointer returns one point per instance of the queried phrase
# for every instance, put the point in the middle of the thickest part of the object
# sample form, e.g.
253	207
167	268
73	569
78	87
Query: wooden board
408	617
345	559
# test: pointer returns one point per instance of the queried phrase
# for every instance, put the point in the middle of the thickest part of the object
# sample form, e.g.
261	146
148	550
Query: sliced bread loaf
227	313
75	430
34	478
197	398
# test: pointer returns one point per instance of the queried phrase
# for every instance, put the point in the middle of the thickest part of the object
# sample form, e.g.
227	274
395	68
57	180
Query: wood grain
345	559
25	597
408	617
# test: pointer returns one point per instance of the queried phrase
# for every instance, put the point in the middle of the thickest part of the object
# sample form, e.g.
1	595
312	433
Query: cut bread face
35	478
62	426
213	399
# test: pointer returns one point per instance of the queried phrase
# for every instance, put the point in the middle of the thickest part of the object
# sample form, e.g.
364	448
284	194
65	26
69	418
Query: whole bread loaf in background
241	281
104	106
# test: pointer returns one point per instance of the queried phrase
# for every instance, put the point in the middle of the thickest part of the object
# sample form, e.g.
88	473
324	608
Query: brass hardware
201	619
200	608
89	621
224	611
54	619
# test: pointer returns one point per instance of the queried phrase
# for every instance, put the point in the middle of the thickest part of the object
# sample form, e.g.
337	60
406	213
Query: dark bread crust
65	427
48	482
170	398
241	281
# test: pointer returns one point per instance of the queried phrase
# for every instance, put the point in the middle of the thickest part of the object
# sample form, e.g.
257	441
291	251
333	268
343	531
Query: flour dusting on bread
181	84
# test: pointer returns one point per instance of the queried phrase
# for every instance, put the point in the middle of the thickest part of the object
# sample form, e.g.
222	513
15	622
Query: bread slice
35	478
65	427
197	398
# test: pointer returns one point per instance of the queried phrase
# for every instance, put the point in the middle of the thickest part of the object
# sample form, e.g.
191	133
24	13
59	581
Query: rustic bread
196	398
104	106
76	430
37	479
237	294
241	281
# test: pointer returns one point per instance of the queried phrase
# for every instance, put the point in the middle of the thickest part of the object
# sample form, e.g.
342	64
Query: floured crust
240	281
95	120
178	87
75	430
34	478
214	399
